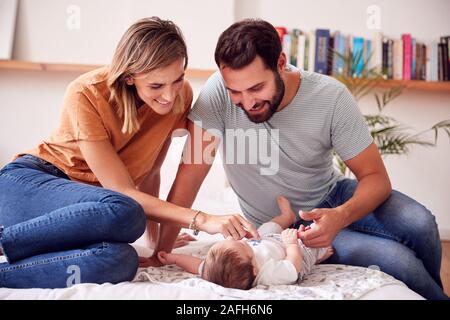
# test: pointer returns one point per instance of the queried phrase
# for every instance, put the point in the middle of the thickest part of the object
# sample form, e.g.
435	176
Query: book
445	61
330	55
434	61
368	53
376	62
295	33
348	50
307	39
413	58
301	47
281	32
321	56
390	59
407	56
338	52
385	66
397	54
358	55
418	64
428	62
341	50
423	71
334	56
287	47
440	62
312	51
446	57
446	39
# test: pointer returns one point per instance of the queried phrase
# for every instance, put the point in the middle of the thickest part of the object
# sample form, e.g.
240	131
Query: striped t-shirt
291	153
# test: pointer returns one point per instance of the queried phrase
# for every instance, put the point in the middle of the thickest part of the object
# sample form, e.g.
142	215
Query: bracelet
192	224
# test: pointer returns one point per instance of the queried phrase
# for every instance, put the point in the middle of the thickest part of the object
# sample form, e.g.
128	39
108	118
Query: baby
278	258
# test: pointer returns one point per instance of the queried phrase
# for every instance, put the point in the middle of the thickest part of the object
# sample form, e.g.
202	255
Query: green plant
391	136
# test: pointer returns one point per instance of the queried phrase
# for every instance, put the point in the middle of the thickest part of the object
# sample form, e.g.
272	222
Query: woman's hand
234	226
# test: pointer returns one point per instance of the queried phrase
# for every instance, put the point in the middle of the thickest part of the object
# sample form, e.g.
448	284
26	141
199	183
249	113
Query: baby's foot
328	253
287	216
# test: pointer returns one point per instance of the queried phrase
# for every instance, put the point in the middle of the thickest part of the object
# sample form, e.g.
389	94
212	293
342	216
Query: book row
337	54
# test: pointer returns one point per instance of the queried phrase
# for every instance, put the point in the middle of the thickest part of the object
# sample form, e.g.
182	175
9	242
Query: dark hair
229	269
239	45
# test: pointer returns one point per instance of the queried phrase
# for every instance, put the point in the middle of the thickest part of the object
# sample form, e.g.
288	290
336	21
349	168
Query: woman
69	208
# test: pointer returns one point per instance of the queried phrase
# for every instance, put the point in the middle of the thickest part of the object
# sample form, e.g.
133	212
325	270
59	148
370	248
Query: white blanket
171	283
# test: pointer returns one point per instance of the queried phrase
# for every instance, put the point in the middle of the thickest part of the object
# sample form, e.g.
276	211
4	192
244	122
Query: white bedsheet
337	282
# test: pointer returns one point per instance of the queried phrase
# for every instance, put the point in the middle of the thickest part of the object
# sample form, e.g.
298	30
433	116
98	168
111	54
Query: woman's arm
109	169
186	262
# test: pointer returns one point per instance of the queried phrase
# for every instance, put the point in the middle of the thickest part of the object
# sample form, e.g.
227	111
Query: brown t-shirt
87	115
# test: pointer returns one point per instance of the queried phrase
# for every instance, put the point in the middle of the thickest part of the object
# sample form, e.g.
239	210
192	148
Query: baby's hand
166	258
289	236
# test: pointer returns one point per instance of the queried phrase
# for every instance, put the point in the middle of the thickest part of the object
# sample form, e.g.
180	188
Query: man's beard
273	104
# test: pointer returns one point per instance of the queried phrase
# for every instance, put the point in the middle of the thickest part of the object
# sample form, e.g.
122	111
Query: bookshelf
78	68
201	74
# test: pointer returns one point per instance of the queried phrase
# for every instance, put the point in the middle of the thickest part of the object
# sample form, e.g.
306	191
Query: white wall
30	101
46	31
425	19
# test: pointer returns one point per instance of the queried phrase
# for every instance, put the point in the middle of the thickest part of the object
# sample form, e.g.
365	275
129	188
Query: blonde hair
149	44
228	268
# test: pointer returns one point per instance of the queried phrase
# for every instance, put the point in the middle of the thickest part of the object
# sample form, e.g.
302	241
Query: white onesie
270	254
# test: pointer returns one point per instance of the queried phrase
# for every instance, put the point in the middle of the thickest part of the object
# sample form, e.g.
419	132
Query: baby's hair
228	268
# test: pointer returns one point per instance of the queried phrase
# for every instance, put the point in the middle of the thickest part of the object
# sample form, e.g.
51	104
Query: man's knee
412	215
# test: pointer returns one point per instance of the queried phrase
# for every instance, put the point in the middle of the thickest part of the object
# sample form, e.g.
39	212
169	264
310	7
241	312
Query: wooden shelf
417	85
408	84
78	68
200	74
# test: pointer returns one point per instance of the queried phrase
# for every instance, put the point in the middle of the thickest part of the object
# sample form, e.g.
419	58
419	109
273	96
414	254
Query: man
306	116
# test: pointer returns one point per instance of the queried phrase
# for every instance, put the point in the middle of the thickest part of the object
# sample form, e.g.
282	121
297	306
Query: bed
326	282
336	282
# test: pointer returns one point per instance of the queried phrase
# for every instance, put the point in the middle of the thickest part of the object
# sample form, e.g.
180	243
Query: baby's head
231	264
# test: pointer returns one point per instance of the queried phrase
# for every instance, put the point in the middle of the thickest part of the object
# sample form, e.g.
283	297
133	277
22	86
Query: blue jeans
400	237
56	232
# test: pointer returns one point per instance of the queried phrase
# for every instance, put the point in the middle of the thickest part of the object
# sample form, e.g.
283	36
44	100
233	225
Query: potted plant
391	136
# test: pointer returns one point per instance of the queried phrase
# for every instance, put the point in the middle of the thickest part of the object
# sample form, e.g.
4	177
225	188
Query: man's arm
151	186
189	178
373	188
186	262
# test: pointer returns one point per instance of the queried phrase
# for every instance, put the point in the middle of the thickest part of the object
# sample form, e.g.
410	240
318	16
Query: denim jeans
400	237
56	232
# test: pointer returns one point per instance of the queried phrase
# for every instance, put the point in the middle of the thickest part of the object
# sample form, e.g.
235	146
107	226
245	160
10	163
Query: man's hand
149	262
289	236
183	239
327	224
